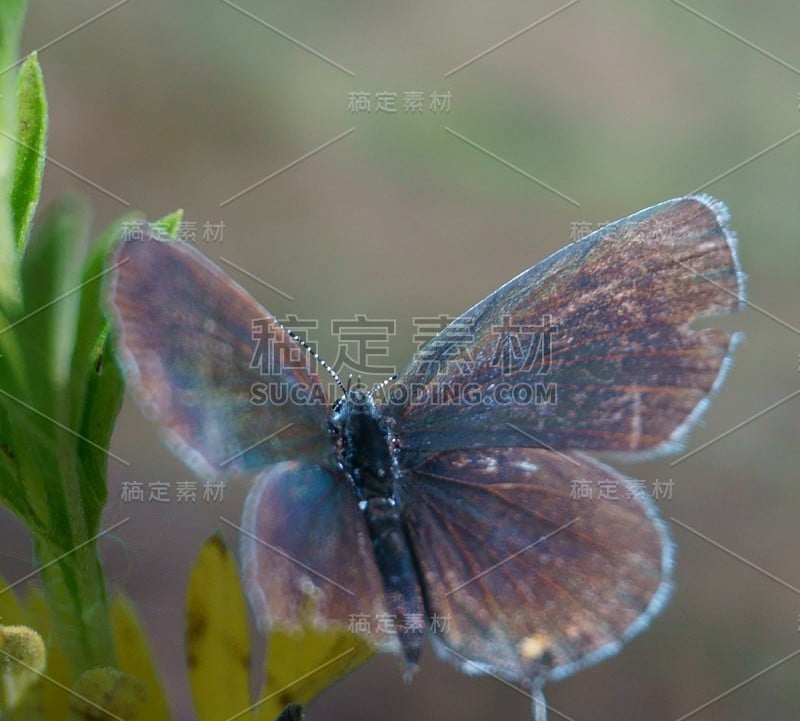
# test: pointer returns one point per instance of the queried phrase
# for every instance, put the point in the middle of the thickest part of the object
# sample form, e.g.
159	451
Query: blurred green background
617	105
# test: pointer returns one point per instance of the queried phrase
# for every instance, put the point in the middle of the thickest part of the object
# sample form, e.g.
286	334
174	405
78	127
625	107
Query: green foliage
59	396
169	225
32	137
12	13
60	392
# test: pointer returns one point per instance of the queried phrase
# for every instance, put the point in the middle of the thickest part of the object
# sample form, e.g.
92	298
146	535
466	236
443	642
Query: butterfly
442	503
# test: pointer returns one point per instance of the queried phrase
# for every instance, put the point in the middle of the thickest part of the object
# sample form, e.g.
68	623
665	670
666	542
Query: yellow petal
299	666
217	640
11	611
135	657
49	699
37	613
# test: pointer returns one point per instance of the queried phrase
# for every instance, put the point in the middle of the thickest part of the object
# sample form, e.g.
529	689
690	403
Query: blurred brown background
616	105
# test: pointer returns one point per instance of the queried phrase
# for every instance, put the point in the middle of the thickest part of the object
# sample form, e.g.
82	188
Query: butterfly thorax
364	447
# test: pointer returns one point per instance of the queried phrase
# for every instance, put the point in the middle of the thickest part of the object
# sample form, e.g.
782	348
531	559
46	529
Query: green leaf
170	224
36	415
32	137
52	280
13	490
10	31
217	640
103	401
96	385
11	17
93	326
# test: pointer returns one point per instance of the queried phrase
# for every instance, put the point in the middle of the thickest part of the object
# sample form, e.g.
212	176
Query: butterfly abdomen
405	605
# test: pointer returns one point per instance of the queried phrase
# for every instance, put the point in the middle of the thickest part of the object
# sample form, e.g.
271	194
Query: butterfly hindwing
306	553
594	341
526	579
198	351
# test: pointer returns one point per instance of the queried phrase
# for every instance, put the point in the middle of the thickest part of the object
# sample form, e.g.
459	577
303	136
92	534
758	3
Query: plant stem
75	593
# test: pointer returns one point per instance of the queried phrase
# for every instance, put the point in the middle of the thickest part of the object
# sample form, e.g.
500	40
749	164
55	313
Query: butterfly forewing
198	352
524	578
592	347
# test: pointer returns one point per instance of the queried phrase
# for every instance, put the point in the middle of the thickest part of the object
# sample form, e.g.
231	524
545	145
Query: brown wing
523	578
595	341
306	551
199	353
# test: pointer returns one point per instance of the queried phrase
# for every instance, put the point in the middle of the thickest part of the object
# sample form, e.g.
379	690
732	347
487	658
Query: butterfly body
367	456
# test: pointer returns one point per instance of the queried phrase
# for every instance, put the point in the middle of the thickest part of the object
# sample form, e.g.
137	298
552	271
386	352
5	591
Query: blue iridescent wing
525	576
198	352
590	349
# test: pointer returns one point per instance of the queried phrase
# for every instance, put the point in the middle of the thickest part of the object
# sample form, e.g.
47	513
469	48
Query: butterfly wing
523	579
195	345
595	341
306	553
198	352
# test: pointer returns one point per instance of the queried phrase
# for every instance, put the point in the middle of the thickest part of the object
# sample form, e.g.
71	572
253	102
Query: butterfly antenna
380	386
315	355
